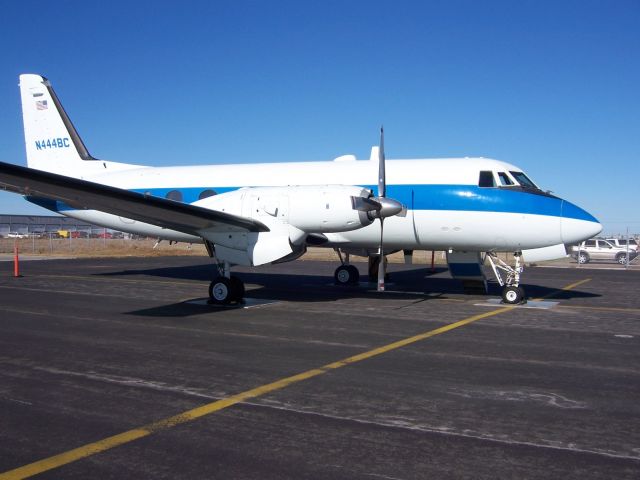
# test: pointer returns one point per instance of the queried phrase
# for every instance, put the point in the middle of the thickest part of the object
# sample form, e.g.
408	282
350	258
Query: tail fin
52	142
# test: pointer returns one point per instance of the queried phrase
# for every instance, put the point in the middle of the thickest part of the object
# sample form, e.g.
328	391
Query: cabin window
207	194
486	179
504	178
174	195
523	180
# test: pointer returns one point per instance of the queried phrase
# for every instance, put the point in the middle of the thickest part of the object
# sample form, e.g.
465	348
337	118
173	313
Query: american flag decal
41	105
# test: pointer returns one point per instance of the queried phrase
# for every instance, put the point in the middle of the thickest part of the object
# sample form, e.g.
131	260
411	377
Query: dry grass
99	247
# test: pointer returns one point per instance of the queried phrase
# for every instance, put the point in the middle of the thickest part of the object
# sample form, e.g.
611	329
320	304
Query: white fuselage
446	208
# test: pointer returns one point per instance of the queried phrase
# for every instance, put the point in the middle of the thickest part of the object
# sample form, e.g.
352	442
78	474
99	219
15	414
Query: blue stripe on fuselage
473	198
429	197
569	210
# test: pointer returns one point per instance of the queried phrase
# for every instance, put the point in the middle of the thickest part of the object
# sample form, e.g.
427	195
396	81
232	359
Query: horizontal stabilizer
85	195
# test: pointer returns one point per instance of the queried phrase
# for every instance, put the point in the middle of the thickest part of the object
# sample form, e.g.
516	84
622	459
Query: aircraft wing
85	195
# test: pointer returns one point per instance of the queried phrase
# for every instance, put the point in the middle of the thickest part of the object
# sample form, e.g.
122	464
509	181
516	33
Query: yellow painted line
87	450
564	289
569	287
131	435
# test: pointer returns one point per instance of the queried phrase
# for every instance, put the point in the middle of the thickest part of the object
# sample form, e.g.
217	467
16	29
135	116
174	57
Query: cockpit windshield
486	179
504	179
523	180
511	179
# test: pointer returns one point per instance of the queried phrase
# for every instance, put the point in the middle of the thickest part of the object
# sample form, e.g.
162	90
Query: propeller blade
381	266
382	182
388	207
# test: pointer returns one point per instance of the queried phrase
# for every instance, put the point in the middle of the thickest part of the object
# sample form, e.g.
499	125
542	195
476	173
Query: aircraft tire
237	286
512	295
355	274
221	291
346	275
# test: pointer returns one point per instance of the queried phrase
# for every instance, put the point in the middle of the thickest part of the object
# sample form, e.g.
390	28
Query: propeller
382	190
380	207
388	208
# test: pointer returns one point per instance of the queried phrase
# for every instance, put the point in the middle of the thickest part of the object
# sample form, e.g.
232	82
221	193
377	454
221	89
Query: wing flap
85	195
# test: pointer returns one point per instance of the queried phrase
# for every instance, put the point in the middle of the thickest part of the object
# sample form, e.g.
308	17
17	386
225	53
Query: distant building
43	224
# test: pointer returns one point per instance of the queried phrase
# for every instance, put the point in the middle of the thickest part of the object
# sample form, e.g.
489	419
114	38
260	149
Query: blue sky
553	87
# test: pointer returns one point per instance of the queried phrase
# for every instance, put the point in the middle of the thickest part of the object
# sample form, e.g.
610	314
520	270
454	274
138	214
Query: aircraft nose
577	224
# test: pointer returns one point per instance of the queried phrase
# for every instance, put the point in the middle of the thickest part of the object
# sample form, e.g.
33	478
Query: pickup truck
599	249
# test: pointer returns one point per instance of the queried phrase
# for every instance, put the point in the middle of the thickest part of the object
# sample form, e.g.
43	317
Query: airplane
262	213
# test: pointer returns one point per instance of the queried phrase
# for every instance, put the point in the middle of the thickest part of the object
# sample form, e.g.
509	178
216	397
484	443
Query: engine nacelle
308	208
291	213
327	209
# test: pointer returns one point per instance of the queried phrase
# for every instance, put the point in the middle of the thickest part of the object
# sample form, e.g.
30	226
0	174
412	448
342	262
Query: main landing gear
346	274
226	289
511	293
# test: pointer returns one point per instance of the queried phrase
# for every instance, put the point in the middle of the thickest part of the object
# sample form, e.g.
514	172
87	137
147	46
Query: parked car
599	249
17	235
622	243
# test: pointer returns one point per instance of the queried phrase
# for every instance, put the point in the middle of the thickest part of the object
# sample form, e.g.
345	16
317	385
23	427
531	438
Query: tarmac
118	368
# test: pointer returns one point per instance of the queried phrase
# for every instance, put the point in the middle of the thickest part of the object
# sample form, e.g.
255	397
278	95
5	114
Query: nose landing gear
512	293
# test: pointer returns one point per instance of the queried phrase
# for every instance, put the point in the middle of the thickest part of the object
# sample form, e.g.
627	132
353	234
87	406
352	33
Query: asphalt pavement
118	368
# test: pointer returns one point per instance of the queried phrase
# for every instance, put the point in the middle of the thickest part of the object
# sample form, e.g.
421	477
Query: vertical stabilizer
52	142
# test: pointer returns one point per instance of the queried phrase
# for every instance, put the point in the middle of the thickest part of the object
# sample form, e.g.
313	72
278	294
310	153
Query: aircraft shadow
410	282
176	310
202	272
